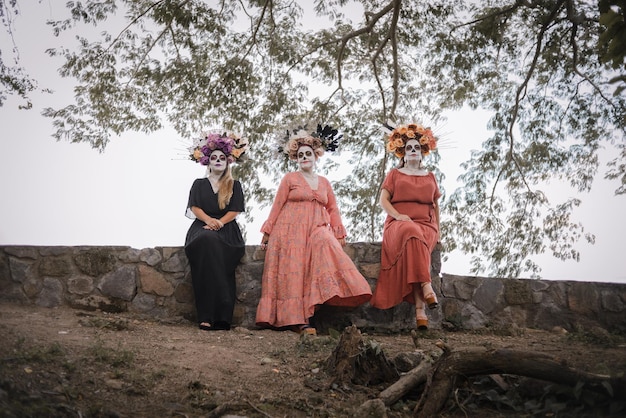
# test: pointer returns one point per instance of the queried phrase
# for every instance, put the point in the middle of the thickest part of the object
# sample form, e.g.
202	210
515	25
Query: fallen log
482	361
406	383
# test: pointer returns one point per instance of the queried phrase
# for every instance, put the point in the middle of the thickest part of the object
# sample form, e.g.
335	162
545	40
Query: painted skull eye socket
411	148
307	153
215	157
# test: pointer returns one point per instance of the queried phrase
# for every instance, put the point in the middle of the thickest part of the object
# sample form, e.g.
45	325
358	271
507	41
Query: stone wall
156	282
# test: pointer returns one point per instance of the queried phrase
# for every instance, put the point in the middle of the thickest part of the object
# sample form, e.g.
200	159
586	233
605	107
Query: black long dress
214	255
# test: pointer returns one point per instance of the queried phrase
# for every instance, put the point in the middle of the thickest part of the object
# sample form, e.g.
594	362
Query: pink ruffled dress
305	266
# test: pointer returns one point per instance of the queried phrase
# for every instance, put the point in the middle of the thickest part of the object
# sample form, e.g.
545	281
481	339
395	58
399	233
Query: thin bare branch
143	58
397	4
574	46
518	98
255	30
506	11
366	29
135	20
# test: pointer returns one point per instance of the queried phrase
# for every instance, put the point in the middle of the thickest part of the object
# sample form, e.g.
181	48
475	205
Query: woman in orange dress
305	265
409	196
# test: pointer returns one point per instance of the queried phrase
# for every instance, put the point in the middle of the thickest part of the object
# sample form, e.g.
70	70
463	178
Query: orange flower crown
398	137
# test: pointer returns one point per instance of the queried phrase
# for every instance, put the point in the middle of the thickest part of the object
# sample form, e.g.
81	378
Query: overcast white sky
135	193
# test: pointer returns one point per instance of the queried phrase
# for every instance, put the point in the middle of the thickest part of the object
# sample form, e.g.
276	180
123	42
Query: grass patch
115	358
595	335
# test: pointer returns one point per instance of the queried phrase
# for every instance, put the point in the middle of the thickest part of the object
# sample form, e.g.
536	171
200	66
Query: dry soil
70	363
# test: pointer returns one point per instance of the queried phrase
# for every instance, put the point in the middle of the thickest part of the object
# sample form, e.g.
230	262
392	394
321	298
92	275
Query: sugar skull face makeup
306	157
412	150
217	161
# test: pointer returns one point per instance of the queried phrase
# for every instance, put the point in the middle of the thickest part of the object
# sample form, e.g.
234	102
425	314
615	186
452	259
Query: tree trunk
354	361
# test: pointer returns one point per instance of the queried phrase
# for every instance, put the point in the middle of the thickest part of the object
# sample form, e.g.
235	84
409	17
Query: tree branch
135	20
574	45
394	46
252	39
366	29
491	15
519	96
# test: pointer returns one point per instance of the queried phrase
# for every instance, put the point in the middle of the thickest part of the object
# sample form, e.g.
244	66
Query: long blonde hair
225	188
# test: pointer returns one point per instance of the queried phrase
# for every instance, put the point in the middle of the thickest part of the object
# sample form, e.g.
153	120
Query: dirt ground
69	363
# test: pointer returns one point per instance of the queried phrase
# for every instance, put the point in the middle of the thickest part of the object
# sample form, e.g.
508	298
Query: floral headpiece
322	139
399	136
231	144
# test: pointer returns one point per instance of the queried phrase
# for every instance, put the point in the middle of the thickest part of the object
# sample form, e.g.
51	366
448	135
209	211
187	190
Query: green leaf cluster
548	71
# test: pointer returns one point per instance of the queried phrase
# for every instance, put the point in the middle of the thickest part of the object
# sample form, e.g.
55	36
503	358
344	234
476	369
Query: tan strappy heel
429	296
421	320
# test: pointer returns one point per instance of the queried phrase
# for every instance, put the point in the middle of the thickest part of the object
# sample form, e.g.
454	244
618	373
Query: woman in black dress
214	244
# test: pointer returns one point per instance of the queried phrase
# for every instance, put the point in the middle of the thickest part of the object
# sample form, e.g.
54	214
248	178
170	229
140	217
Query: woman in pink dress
410	197
305	265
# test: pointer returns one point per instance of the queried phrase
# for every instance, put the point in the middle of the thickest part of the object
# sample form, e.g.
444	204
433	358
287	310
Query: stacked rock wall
156	282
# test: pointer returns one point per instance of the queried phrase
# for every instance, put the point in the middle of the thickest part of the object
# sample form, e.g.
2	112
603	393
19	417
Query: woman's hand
213	224
342	241
264	241
403	217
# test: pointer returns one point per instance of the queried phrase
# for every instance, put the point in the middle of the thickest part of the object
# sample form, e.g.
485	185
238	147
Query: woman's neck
413	165
307	172
214	177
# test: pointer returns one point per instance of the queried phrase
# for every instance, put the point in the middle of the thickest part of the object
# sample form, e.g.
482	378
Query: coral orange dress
406	246
305	265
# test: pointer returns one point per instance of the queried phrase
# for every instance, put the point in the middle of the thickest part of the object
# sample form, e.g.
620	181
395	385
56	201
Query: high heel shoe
429	296
421	320
422	324
305	329
432	302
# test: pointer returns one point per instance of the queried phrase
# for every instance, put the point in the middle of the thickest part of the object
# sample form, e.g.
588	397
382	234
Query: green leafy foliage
13	77
548	71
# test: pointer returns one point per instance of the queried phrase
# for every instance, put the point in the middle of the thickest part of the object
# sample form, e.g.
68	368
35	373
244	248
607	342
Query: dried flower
231	144
322	139
398	138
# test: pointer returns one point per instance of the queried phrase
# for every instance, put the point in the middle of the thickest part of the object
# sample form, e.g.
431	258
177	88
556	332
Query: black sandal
208	327
218	326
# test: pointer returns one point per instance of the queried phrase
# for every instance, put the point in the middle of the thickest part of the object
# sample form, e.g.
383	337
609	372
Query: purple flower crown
231	144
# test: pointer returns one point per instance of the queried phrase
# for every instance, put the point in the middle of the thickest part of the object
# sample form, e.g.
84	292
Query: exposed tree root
355	362
481	361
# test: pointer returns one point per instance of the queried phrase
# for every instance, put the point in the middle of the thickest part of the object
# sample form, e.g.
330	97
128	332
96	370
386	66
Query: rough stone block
370	271
152	281
80	285
517	292
464	289
21	270
32	287
51	294
143	302
488	295
129	256
95	261
150	256
612	301
583	298
176	263
121	283
184	293
55	267
22	252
